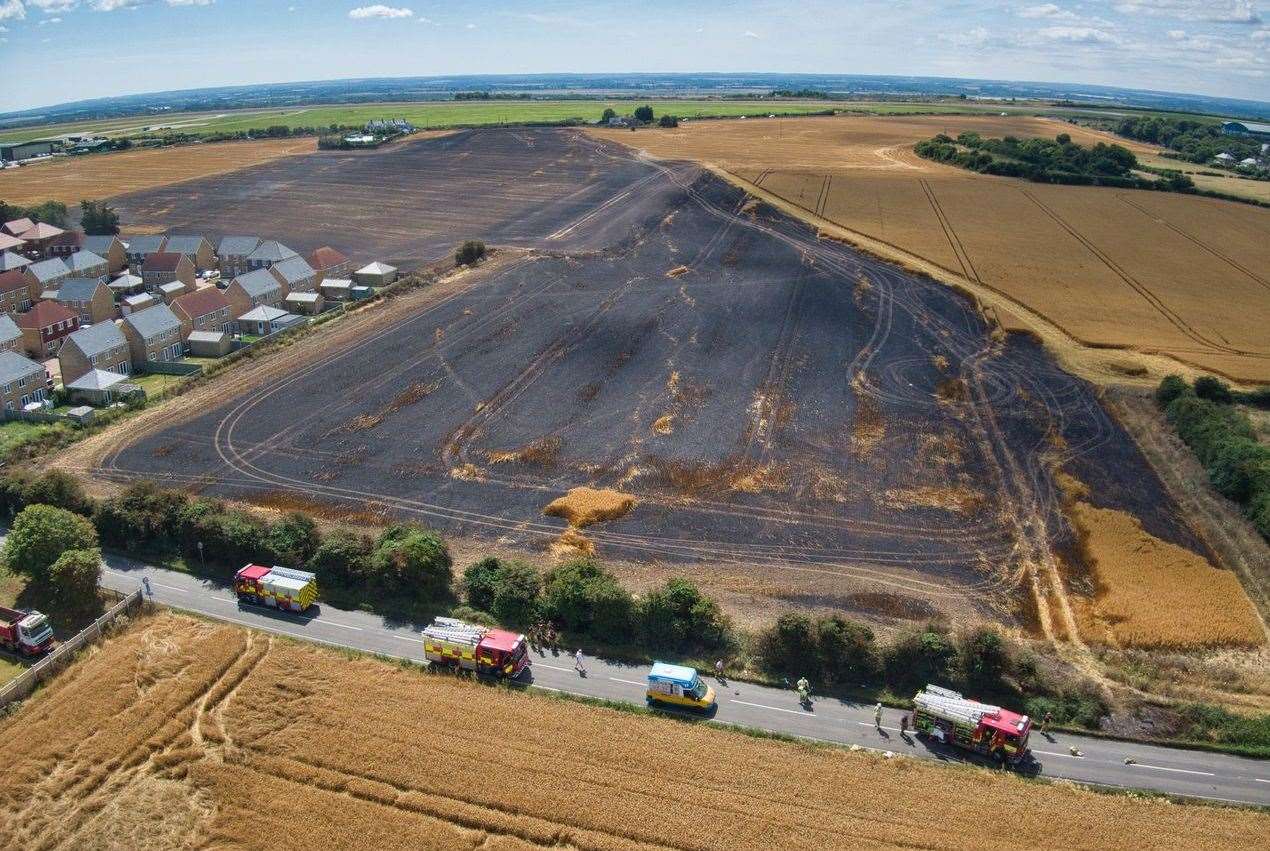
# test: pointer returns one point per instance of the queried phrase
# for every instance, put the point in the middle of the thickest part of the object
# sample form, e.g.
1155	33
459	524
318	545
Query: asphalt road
1097	761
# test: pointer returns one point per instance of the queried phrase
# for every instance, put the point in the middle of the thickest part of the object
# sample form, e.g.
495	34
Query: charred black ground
770	398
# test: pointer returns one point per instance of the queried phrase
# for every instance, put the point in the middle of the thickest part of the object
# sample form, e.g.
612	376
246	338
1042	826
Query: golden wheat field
1156	273
180	734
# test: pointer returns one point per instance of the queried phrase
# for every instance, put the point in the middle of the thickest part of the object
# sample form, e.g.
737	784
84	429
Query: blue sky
60	50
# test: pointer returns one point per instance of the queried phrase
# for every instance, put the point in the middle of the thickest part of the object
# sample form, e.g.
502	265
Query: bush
515	601
983	660
919	657
471	615
847	652
229	536
74	577
581	596
412	561
469	252
832	650
789	646
293	539
41	534
341	559
679	617
1171	387
644	114
668	121
143	515
60	489
1213	389
1083	706
480	581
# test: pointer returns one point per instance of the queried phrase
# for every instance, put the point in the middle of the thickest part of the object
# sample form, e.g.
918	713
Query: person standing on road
577	662
718	670
1045	723
877	716
145	583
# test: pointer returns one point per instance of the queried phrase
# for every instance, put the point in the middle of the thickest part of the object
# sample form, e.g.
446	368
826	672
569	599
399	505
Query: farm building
375	275
198	249
17	292
86	264
267	253
100	387
253	289
328	263
263	320
204	310
336	289
153	334
18	151
1246	128
44	327
88	297
164	267
138	248
108	247
102	346
295	275
10	334
22	381
209	344
232	253
309	303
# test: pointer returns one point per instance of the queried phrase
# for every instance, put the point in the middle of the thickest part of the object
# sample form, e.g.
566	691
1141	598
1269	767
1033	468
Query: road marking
552	667
406	638
333	623
628	682
1259	780
773	708
170	587
876	727
1178	770
1056	753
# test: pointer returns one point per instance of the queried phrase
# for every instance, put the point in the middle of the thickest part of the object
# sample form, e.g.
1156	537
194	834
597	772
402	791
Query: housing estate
232	253
90	298
295	274
154	335
10	334
44	327
204	310
102	346
252	290
22	381
86	264
109	247
198	249
139	248
17	292
164	267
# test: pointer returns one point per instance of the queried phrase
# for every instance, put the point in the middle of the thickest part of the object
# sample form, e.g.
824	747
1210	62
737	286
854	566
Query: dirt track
770	399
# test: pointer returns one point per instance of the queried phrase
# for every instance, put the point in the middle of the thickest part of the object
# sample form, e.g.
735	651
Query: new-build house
109	247
267	253
204	310
17	292
8	242
22	381
138	248
65	244
17	227
252	290
86	264
99	347
44	327
39	237
164	267
10	334
198	249
47	274
264	320
295	275
90	298
13	260
232	253
328	263
154	334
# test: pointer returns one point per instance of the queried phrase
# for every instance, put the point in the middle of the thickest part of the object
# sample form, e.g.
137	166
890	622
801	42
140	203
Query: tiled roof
14	366
258	282
84	260
97	379
326	257
153	320
98	338
237	246
201	302
41	230
77	289
8	241
162	261
9	329
376	268
264	313
17	226
293	269
12	260
271	251
13	280
98	244
185	244
43	314
146	244
49	270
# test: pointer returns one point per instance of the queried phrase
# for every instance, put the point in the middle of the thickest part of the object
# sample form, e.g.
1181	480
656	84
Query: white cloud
12	10
1219	11
379	10
1077	35
751	34
470	27
113	5
190	2
1261	35
976	37
50	7
50	21
421	19
1177	35
1047	10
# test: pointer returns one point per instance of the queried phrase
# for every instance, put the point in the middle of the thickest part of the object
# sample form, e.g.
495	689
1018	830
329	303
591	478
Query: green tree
143	515
919	657
341	559
608	113
1171	386
644	113
983	659
515	600
413	561
58	488
73	579
1063	139
847	652
480	581
96	218
790	646
678	616
668	121
469	252
582	596
1213	389
40	534
293	539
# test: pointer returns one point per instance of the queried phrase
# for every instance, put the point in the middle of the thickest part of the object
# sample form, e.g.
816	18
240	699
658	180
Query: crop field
183	734
72	179
609	357
1158	274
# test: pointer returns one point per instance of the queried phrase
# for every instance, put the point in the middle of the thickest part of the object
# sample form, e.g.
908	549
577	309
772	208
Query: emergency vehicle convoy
27	633
947	716
453	643
281	588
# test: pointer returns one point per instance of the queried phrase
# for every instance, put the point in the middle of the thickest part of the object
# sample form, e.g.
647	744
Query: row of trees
1195	141
49	212
1224	440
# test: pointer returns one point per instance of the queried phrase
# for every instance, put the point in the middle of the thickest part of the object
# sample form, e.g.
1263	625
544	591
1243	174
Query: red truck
27	633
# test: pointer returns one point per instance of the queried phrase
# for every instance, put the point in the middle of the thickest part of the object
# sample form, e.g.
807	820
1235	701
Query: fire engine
947	716
277	587
27	632
453	643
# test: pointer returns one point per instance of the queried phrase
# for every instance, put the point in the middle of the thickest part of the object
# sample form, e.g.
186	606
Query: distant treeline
803	94
490	96
1193	141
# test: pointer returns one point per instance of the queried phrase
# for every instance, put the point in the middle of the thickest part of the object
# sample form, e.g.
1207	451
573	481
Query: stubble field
183	734
1156	274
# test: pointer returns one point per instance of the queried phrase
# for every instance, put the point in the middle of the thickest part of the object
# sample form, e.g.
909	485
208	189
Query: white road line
773	708
1260	780
170	587
1178	770
1056	753
324	622
628	682
875	727
551	667
406	638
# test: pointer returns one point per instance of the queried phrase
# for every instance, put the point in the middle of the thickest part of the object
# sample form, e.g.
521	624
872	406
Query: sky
62	50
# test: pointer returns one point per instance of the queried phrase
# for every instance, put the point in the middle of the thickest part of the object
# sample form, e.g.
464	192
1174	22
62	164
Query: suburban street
1096	761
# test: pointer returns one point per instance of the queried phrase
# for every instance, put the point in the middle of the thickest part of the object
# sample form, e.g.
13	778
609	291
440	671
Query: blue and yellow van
680	687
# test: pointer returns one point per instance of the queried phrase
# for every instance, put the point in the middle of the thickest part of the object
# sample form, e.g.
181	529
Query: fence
23	684
37	417
172	368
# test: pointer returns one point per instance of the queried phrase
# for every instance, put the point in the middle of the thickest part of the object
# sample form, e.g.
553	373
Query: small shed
209	344
307	303
171	290
127	284
82	415
375	275
134	303
337	289
100	387
264	320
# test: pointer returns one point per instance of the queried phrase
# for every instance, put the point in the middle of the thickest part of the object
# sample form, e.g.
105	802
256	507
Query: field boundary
21	686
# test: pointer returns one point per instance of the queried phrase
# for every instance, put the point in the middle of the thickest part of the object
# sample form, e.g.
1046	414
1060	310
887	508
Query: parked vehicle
452	643
282	588
25	632
680	687
946	716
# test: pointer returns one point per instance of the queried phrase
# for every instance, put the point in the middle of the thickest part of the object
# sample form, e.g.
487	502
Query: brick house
46	274
139	248
252	290
109	247
17	227
10	334
39	238
295	274
22	381
44	327
154	334
86	264
17	292
267	253
88	297
164	267
204	310
99	347
232	253
65	244
10	260
328	263
198	249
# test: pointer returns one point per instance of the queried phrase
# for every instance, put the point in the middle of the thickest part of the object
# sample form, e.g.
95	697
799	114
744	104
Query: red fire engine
947	716
457	644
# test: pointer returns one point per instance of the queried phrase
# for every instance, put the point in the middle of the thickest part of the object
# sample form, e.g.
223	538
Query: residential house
204	310
47	274
133	303
102	346
88	297
198	249
295	274
100	387
17	292
17	227
44	327
375	275
164	267
252	290
153	334
336	289
39	238
139	248
127	284
107	246
10	334
9	242
232	253
267	253
22	381
10	260
65	244
86	264
308	303
264	320
328	263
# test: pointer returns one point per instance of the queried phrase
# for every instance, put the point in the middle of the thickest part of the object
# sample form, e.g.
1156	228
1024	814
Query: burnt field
405	204
769	399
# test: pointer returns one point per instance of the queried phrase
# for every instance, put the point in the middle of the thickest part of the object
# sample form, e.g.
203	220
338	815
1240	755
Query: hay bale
583	506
